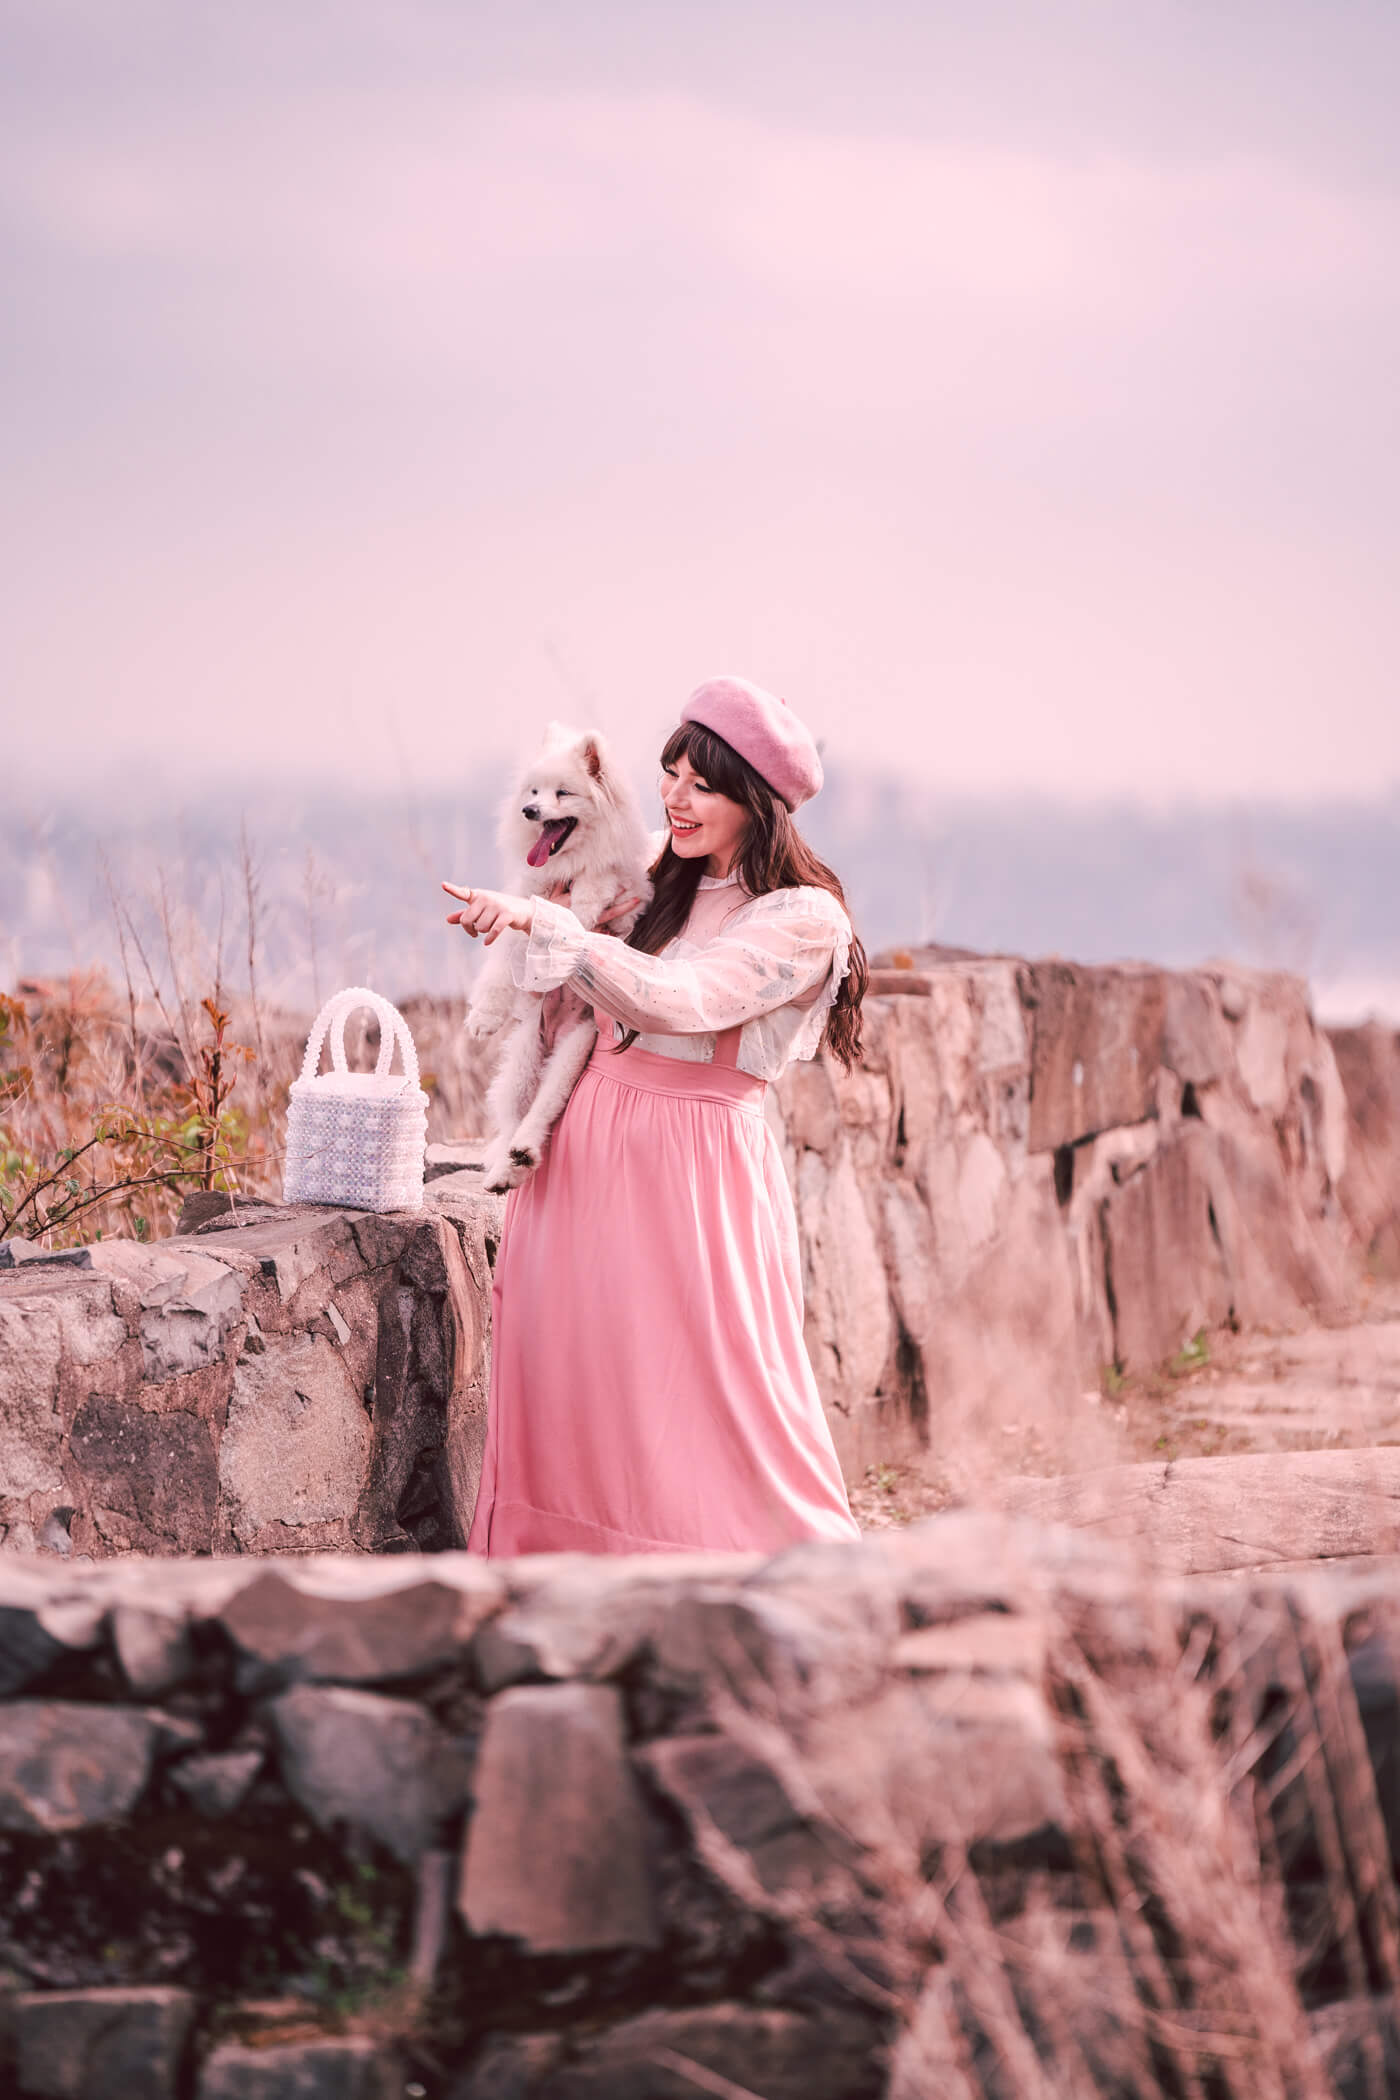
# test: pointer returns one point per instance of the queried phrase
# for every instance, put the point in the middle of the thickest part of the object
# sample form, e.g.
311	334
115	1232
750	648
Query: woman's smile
717	836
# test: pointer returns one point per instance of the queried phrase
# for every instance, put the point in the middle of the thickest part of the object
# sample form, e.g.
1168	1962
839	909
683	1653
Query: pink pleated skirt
650	1390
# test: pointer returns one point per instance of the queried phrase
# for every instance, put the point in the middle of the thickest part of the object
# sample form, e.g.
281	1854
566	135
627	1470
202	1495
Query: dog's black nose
531	810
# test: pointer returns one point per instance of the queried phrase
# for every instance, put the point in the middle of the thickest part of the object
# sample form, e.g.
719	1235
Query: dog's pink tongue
539	852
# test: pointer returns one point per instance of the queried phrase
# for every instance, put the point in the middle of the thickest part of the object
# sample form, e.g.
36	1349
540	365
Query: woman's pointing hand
490	913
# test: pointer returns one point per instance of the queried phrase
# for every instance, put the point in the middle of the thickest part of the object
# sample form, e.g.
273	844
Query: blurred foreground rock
982	1808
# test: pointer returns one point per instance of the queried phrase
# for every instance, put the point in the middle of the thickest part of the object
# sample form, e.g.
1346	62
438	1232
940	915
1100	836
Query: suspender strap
727	1049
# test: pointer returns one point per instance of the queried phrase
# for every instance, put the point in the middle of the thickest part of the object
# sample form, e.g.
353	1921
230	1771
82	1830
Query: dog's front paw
506	1167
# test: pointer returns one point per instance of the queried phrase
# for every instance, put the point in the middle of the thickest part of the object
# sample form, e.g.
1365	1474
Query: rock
54	1534
587	1625
775	1645
292	1635
1261	1052
1368	1060
744	1821
15	1252
203	1206
187	1302
27	1649
157	1469
430	1383
1263	1509
297	1445
1163	1250
351	2067
1096	1044
380	1765
31	1433
216	1782
849	1331
65	1766
153	1648
43	1623
557	1850
1196	1042
452	1157
954	1757
724	2049
102	2044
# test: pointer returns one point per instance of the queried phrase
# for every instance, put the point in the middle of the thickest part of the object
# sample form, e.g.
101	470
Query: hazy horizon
348	880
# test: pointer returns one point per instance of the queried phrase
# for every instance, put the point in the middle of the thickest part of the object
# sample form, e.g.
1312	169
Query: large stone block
158	1470
557	1849
121	2044
342	2067
1368	1060
297	1444
742	1816
65	1766
848	1324
1097	1043
379	1765
292	1634
1163	1247
31	1431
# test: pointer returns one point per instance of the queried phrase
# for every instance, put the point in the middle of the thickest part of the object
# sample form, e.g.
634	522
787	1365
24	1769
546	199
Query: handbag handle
392	1028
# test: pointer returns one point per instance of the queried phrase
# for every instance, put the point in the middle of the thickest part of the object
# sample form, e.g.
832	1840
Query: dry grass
113	1105
1218	1905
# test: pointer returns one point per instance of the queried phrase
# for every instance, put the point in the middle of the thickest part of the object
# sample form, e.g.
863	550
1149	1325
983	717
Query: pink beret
762	729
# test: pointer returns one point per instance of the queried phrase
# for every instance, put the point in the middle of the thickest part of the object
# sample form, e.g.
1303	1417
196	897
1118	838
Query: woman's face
704	824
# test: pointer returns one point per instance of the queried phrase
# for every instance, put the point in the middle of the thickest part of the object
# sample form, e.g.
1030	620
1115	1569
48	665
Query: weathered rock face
282	1379
1042	1170
978	1809
1368	1060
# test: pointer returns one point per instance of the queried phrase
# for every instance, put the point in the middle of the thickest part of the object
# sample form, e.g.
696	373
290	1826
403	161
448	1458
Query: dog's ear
591	751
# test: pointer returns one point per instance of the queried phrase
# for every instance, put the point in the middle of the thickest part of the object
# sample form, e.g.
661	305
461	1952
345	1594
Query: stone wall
973	1810
273	1380
1040	1171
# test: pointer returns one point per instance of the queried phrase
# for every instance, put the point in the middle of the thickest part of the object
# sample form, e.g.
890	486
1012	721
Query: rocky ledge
979	1809
269	1380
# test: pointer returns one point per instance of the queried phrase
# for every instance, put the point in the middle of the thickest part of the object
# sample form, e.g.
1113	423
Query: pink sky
1014	389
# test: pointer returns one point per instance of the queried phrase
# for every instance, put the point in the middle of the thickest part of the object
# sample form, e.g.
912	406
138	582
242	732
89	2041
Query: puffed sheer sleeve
778	947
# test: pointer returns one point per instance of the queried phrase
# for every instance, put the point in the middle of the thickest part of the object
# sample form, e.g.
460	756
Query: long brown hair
774	856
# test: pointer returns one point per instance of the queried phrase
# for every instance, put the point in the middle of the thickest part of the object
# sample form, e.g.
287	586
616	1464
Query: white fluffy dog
573	822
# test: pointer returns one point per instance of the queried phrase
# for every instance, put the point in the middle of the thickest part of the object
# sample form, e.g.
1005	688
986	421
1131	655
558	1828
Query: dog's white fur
604	862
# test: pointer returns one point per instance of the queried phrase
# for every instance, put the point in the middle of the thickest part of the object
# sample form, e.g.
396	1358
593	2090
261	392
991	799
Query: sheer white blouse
771	965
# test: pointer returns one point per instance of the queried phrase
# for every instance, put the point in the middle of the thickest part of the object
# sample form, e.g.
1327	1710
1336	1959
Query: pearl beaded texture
357	1138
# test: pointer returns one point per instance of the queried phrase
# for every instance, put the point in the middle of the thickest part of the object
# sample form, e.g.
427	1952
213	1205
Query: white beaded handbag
357	1138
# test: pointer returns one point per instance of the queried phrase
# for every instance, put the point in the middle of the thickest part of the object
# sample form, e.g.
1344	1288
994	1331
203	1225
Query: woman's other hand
490	913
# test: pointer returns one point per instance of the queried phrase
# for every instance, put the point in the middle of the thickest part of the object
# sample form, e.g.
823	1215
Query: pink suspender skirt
650	1389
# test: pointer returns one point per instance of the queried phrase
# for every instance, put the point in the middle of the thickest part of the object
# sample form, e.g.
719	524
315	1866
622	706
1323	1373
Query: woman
650	1390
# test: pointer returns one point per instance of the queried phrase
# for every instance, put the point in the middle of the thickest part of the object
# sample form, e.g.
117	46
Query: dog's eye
560	793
